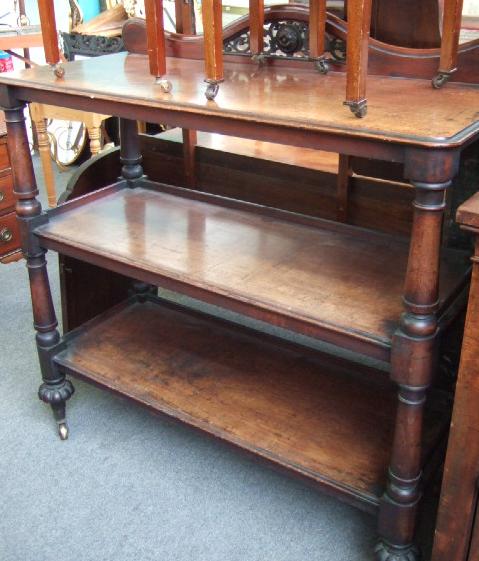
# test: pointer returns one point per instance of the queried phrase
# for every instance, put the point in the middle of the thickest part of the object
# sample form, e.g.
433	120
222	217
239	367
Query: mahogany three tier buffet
364	433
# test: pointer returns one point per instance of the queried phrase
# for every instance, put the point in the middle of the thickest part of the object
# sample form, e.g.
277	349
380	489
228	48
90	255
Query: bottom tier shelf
295	407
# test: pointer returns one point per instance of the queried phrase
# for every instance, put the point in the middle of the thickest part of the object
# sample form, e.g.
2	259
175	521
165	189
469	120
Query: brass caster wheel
440	79
165	85
63	431
59	70
322	66
360	111
259	59
212	91
358	108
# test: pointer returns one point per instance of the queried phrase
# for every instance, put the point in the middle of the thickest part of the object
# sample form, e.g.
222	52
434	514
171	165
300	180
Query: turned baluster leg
256	30
359	22
317	34
412	366
155	31
130	153
451	29
55	389
46	158
50	36
213	40
94	134
130	157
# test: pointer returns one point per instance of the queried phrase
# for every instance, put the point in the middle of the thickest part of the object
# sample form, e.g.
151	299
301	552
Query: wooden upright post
451	29
185	24
155	31
50	36
185	17
256	29
359	21
317	34
213	40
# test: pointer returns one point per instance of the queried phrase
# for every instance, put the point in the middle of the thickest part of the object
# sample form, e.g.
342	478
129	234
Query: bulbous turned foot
57	392
259	59
165	85
358	108
387	552
322	66
212	90
440	79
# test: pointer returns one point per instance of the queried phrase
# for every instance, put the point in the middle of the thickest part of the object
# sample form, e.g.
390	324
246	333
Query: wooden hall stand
297	409
457	529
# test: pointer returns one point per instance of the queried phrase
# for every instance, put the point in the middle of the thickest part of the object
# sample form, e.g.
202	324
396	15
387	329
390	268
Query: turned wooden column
55	389
413	362
130	153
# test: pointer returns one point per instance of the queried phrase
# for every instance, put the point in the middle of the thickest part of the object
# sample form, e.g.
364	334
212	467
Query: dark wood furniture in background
457	530
9	232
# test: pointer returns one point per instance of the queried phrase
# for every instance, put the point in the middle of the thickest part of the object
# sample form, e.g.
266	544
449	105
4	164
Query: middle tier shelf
337	282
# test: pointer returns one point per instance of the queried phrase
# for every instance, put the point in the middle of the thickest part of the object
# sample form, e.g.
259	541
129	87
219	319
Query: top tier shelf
401	111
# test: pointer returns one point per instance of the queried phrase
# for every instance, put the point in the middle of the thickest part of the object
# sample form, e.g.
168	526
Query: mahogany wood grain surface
359	19
49	31
256	34
302	157
317	27
468	212
400	110
451	29
322	422
403	111
336	277
457	527
213	38
155	37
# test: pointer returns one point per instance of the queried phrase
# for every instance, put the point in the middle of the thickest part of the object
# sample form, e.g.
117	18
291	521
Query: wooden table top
405	111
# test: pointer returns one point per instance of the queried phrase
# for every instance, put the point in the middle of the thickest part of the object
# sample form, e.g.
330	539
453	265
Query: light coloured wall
471	7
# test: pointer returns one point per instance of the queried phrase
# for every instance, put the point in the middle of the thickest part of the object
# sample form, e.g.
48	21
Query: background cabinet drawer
4	159
6	192
9	234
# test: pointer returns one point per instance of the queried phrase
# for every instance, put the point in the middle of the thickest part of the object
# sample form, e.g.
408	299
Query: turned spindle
413	361
55	389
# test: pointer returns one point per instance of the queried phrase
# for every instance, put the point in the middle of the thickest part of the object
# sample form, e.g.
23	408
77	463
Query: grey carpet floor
130	486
